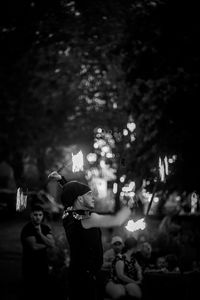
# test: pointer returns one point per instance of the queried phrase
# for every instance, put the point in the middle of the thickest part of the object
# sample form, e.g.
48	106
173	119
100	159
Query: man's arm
97	220
32	243
55	176
48	239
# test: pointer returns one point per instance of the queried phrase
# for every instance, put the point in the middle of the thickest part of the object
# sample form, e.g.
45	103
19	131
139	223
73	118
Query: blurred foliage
68	67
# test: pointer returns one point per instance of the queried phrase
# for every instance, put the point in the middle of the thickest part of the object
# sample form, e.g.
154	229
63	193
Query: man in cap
82	226
109	255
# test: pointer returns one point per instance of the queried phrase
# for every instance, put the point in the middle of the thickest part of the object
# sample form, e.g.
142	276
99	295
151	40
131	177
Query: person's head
146	249
161	262
130	243
37	214
117	244
77	195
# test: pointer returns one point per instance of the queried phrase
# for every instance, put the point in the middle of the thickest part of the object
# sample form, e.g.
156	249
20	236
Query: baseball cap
71	191
116	239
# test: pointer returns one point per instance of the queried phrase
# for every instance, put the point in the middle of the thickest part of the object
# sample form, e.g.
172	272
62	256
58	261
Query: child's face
161	262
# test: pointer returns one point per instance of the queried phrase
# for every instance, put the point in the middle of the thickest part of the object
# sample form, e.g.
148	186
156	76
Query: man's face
88	200
117	246
37	217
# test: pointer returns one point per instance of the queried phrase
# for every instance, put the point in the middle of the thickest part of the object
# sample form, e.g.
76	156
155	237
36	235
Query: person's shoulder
27	229
70	222
119	258
27	226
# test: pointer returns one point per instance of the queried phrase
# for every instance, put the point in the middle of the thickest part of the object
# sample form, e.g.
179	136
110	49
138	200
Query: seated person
144	256
172	263
109	255
161	265
126	273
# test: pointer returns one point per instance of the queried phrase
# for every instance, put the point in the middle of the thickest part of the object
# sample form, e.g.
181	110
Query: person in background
161	264
142	237
36	238
172	264
144	256
126	275
83	231
109	255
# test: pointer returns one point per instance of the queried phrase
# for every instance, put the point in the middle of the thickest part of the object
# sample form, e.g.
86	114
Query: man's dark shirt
86	251
86	258
34	261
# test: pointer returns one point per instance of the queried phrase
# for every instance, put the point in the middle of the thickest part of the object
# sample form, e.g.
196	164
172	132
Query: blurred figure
142	237
161	265
188	250
108	257
169	232
144	256
126	274
172	263
196	266
36	238
110	254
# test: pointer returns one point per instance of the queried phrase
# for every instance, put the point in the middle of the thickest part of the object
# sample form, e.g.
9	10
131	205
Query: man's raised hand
54	176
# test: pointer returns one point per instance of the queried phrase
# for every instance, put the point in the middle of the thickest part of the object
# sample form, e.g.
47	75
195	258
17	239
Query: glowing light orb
133	226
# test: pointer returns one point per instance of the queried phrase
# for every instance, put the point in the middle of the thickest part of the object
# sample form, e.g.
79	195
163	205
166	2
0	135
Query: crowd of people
92	272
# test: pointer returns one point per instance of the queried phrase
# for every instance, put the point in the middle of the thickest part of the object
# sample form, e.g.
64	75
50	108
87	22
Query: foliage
163	76
35	95
76	65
